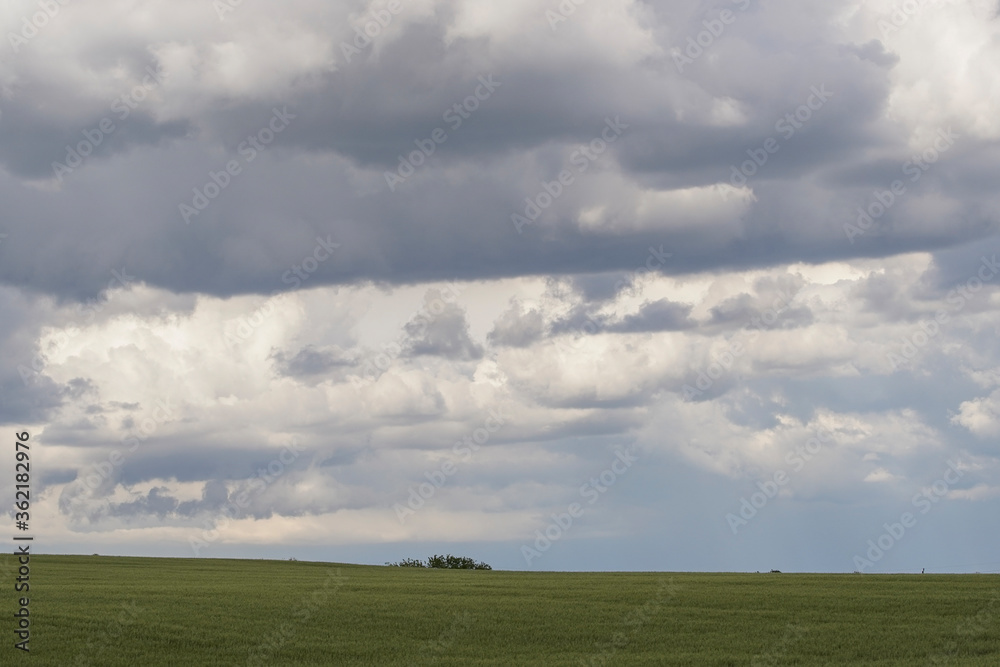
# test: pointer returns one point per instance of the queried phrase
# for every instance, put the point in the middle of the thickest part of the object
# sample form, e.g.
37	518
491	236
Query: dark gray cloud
771	305
451	222
662	315
32	146
517	328
441	334
31	403
310	361
600	287
157	502
214	496
580	320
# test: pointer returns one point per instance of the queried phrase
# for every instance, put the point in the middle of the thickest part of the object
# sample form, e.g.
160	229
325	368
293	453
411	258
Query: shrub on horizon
447	562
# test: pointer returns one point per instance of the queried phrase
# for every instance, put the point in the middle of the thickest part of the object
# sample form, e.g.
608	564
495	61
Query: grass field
105	611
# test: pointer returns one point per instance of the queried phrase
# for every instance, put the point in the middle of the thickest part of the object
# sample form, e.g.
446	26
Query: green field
104	611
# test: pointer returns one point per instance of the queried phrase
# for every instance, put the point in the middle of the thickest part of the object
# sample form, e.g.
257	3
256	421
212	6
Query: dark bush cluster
448	562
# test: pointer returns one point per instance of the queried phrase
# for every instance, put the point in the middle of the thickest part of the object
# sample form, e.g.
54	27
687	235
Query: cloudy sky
588	285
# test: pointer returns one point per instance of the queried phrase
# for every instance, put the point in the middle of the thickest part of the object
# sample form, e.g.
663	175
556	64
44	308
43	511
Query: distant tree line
448	562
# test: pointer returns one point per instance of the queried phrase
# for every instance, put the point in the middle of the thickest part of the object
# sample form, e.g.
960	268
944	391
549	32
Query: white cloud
980	415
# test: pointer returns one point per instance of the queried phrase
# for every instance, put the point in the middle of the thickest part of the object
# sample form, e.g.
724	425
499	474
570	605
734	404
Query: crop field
106	611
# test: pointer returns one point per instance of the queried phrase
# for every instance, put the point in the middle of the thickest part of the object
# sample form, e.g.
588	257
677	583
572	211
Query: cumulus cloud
980	415
662	315
441	334
517	328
